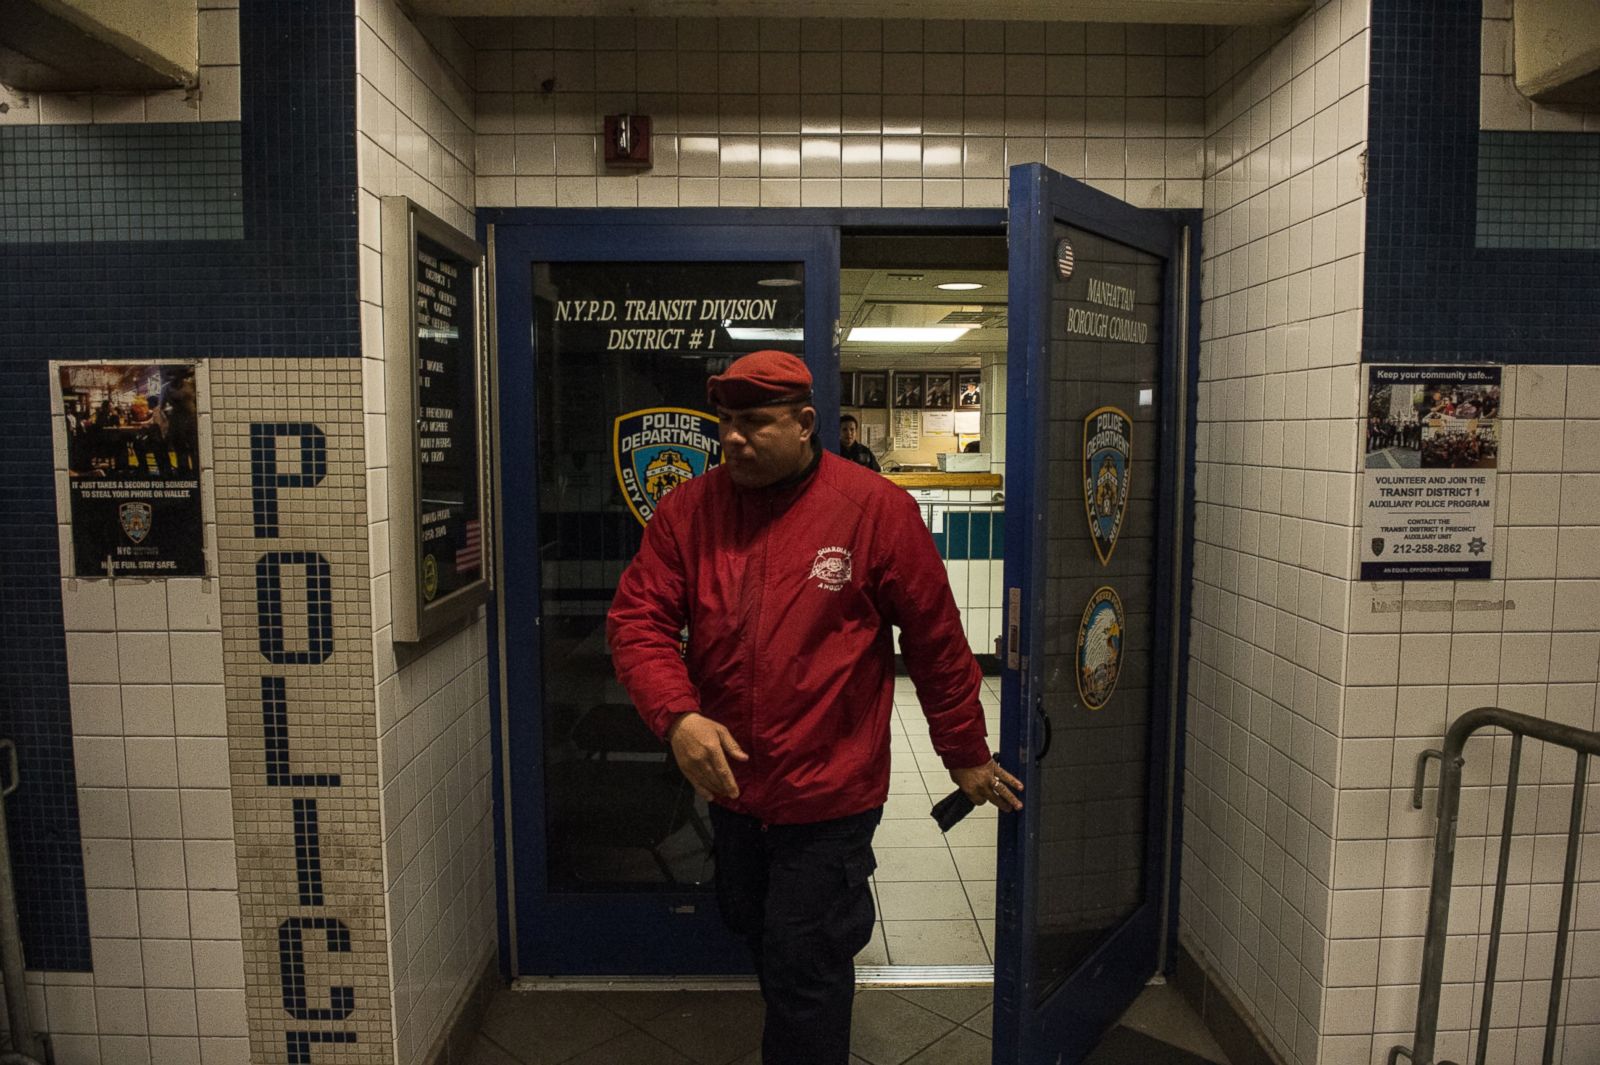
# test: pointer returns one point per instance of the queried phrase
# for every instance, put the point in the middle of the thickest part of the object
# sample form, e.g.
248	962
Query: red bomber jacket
789	593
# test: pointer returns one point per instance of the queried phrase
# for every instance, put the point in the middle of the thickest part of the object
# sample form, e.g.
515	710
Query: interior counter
930	479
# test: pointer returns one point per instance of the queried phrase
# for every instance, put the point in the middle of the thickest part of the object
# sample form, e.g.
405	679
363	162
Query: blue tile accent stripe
1431	293
285	284
161	181
1538	190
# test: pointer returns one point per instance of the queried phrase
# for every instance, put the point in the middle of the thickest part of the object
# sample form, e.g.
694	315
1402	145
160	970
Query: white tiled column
416	133
992	380
1275	489
149	722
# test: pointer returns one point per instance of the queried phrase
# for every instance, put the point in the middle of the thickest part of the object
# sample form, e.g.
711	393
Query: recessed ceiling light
739	333
959	286
779	282
931	334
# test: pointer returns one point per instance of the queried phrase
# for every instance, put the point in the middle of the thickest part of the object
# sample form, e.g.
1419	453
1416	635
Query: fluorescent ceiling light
766	334
959	286
926	334
779	282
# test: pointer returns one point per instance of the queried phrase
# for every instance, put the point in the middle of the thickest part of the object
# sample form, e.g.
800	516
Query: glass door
607	333
1094	516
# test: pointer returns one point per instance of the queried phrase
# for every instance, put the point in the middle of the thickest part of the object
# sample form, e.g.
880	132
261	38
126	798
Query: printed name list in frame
1432	453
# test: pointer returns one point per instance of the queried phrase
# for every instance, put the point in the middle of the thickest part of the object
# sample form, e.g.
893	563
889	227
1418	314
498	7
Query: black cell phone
949	810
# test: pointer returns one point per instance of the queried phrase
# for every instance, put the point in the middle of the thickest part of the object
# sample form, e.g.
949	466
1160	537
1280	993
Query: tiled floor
935	892
901	1027
935	898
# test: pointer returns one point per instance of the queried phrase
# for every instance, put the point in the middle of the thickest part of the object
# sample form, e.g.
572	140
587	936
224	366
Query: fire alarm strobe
628	141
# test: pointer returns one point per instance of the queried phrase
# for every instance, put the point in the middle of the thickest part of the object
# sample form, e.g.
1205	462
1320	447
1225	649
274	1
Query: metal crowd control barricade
1583	743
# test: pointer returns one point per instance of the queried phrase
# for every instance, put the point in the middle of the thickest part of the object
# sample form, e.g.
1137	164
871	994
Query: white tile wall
214	99
155	810
1536	651
975	583
1500	105
1275	482
1305	868
415	130
829	112
993	381
414	118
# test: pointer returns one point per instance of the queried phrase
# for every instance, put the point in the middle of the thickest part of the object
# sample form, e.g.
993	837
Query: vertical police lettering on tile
272	570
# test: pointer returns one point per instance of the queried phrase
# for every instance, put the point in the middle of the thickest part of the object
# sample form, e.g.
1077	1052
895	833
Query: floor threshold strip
867	976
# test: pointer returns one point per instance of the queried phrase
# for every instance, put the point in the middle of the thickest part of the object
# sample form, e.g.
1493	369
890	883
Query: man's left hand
989	783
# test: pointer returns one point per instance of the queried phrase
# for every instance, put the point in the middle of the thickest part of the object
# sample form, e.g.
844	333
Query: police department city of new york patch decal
136	519
658	448
1107	467
1100	648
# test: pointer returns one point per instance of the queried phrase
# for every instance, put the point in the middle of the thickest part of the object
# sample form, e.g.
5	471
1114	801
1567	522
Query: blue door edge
1026	289
1038	196
507	956
516	747
1193	220
507	739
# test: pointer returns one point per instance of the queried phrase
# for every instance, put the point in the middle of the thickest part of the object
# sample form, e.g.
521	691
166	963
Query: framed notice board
436	369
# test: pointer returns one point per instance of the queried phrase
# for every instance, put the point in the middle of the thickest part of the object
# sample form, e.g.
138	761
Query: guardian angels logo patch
658	448
1100	648
832	568
1107	464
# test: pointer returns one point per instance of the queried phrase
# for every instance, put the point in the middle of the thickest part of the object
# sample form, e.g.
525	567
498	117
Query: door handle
1044	720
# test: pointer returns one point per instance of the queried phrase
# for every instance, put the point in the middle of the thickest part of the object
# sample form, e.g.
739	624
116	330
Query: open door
1096	445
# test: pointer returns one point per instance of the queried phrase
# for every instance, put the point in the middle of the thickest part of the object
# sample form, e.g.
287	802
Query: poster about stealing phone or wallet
133	469
1428	487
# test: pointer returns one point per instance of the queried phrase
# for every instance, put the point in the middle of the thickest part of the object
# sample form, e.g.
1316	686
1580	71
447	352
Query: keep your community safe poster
1428	488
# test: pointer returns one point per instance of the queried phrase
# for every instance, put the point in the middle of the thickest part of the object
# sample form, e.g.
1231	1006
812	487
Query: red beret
761	379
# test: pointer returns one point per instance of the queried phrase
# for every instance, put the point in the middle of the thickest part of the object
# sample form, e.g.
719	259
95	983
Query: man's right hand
702	748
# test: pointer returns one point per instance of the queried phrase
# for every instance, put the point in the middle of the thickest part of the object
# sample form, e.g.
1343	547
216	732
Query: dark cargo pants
799	895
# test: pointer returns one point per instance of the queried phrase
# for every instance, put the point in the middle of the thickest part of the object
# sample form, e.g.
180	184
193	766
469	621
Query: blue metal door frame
564	939
1068	1024
615	933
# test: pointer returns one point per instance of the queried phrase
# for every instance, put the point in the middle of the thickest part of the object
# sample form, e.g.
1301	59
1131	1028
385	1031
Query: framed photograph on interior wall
907	390
872	390
969	390
847	389
939	391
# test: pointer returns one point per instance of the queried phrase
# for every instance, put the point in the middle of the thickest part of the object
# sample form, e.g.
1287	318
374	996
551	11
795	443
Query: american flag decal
470	556
1065	259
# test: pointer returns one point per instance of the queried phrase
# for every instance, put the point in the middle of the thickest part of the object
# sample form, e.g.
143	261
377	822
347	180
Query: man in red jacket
789	565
